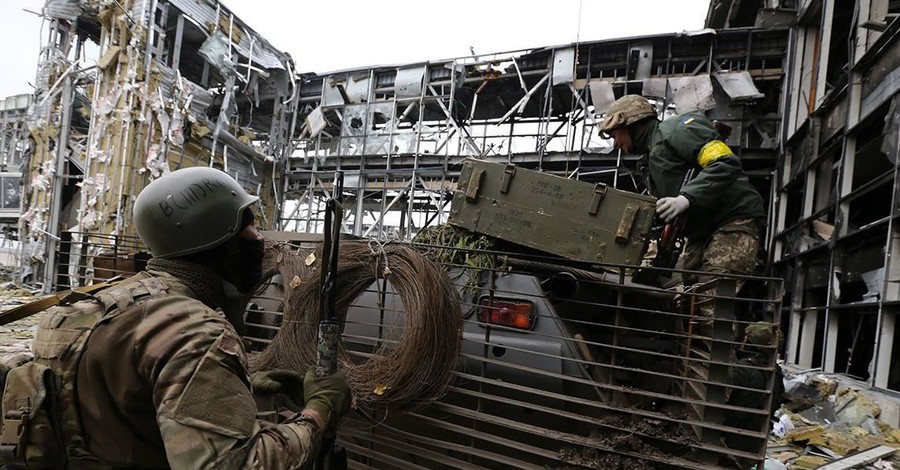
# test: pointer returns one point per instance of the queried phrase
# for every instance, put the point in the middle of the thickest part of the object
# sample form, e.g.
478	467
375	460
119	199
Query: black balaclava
243	259
236	266
242	270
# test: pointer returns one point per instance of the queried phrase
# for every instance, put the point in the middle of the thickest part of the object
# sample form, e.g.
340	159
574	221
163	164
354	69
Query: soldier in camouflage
723	210
750	380
163	381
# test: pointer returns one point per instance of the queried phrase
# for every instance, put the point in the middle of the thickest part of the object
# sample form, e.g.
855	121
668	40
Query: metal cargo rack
620	375
609	373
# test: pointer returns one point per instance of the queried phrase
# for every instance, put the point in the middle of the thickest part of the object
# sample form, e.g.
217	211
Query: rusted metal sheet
569	218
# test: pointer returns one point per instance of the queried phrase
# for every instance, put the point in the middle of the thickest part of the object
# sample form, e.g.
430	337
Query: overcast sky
327	35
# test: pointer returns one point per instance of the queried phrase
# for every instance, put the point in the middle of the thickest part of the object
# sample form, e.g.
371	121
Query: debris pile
15	338
824	421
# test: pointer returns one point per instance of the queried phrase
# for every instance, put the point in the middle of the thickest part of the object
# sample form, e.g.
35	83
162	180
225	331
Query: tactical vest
41	423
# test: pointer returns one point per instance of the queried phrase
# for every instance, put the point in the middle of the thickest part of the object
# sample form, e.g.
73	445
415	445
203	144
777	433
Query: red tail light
512	313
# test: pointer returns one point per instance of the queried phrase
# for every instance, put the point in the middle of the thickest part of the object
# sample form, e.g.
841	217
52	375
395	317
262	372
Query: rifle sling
37	306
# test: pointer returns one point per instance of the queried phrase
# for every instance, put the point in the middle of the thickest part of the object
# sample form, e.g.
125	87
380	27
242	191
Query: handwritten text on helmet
194	193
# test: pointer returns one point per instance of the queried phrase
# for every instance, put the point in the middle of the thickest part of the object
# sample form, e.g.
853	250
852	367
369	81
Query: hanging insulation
396	375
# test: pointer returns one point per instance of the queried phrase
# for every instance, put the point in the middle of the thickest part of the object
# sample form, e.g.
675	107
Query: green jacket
719	192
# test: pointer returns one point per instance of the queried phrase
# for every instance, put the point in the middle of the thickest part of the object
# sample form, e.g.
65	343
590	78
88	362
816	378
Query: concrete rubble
825	418
15	337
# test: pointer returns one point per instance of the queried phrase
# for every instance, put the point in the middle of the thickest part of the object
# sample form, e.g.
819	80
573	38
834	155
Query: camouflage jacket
719	192
164	383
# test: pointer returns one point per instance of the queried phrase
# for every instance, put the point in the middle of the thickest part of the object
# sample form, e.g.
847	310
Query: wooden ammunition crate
568	218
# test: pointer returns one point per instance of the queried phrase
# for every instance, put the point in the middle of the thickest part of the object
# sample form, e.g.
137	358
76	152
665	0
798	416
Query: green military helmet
190	210
760	333
626	111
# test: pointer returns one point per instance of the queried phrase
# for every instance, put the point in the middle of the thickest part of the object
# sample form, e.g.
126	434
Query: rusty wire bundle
398	375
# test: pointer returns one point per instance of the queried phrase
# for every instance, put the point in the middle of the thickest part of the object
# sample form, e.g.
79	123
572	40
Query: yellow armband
712	151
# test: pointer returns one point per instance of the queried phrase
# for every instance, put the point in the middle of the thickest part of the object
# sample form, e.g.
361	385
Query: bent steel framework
400	132
129	90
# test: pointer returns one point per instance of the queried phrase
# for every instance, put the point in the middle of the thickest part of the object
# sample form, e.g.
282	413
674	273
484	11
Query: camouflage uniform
748	373
722	222
729	250
164	383
719	192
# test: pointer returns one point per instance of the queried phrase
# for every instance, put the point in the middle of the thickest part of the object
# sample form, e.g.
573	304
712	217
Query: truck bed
610	374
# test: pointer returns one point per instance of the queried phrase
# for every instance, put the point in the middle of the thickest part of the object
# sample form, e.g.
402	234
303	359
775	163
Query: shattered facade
818	138
171	83
834	235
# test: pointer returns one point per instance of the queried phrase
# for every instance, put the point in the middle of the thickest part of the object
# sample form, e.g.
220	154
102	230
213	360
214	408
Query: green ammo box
568	218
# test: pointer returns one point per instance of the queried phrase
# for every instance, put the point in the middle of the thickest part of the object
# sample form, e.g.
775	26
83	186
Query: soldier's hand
670	207
329	396
284	381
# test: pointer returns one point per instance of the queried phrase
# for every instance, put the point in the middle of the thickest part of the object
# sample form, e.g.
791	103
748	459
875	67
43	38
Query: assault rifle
669	246
330	457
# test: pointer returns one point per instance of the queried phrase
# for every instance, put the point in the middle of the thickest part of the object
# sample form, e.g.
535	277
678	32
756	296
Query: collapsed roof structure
401	132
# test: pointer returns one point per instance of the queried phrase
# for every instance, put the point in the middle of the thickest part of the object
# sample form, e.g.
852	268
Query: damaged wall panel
841	141
15	146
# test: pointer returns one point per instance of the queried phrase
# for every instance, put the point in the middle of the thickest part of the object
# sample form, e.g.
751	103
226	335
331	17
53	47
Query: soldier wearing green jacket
161	380
722	209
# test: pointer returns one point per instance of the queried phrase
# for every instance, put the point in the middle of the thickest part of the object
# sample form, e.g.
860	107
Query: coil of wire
416	368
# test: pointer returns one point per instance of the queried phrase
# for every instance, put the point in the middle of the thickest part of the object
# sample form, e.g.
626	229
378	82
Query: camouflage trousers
729	250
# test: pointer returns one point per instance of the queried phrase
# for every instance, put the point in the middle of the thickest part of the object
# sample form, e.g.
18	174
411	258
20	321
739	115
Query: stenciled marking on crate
513	218
551	189
589	235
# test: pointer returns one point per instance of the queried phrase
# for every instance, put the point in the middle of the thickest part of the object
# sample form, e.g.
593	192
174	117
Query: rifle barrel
329	329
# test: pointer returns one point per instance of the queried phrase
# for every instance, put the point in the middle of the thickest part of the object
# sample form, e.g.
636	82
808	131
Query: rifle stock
670	245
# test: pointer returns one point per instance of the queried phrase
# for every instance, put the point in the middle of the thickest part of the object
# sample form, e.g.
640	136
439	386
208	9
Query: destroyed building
128	90
808	87
833	233
14	145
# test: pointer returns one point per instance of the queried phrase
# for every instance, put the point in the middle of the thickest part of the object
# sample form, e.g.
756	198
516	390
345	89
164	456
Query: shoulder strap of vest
121	297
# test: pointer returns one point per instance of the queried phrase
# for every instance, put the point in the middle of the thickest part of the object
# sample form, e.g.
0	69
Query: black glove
329	396
285	381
